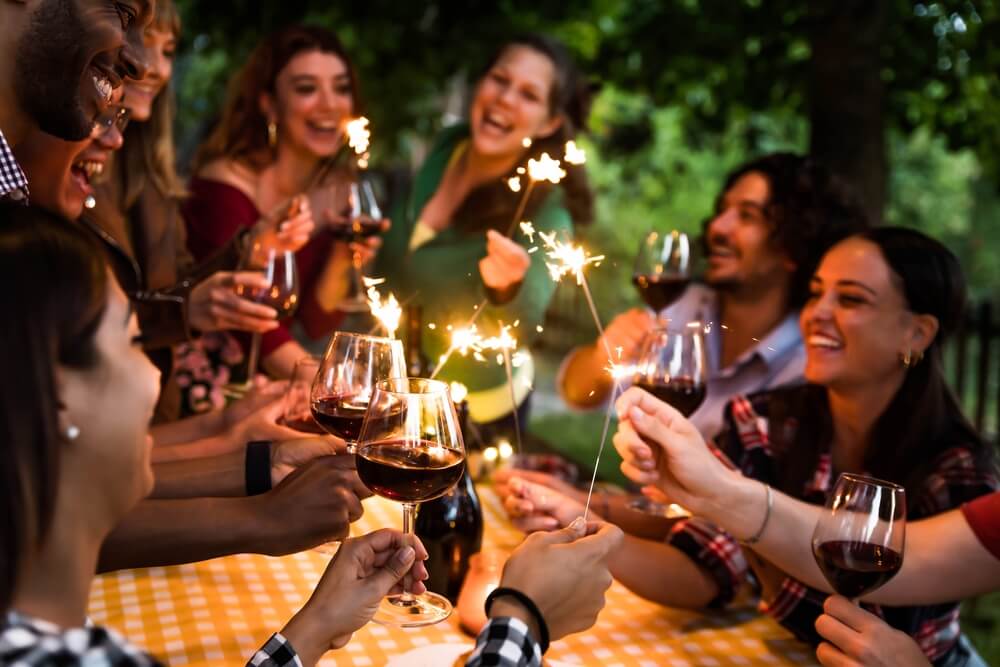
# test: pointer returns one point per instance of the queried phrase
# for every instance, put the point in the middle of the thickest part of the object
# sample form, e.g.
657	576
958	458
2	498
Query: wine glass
352	365
858	540
672	367
662	268
296	411
281	293
411	451
362	219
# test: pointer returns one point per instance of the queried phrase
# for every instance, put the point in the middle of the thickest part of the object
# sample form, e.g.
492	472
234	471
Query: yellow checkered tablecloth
219	612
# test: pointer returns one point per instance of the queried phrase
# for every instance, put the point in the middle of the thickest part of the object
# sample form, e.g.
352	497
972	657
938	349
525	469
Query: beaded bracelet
543	629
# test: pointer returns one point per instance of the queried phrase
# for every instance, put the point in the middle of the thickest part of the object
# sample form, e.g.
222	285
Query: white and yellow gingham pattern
219	612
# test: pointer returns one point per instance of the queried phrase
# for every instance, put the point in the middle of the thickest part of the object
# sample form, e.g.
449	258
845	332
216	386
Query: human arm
688	473
583	380
565	574
324	496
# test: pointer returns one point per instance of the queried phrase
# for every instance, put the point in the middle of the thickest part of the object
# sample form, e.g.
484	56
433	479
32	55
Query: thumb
571	533
390	574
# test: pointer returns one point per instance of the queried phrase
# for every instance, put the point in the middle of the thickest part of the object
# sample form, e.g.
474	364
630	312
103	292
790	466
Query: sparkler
388	312
358	138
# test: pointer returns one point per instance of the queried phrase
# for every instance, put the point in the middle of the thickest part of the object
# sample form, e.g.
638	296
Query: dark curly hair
810	209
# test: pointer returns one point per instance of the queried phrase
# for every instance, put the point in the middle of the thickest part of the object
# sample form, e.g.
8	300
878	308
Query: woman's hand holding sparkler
504	266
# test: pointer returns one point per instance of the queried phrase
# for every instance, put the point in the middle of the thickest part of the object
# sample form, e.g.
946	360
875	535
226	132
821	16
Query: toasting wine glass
672	367
281	293
296	406
858	540
363	219
662	268
352	365
411	451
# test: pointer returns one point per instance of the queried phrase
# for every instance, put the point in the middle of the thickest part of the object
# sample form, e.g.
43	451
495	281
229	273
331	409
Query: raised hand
505	263
213	305
856	638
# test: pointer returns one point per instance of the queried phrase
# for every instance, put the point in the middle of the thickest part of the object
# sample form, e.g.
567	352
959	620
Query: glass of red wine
361	219
858	541
662	268
411	451
672	367
281	292
352	365
296	412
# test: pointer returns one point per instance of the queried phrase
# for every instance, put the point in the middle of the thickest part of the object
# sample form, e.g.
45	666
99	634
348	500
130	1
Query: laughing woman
447	249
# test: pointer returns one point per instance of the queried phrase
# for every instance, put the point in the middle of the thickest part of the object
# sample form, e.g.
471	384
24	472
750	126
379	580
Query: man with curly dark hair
774	219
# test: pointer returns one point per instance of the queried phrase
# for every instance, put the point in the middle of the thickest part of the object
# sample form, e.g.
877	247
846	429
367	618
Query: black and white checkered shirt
30	642
13	182
505	642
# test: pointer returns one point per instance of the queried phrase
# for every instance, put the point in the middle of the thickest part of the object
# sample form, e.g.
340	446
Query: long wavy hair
148	157
490	206
924	418
241	134
49	320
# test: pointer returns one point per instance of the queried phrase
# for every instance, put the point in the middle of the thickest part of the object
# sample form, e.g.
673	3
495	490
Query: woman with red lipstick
280	129
880	306
448	249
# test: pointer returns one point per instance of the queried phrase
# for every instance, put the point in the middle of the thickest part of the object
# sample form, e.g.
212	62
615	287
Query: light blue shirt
777	359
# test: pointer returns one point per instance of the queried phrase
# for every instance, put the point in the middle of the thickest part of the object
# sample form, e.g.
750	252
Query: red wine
341	416
856	568
409	471
356	230
684	394
282	300
659	291
304	423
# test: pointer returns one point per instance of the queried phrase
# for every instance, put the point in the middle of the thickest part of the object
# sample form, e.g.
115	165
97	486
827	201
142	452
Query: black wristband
258	467
543	629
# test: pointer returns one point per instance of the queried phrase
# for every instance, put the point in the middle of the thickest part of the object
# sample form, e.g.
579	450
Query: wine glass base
414	611
666	511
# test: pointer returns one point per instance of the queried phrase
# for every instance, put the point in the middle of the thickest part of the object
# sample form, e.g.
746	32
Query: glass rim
384	386
361	336
689	327
868	479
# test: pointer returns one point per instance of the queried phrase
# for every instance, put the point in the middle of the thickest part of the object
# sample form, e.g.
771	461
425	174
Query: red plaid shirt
956	478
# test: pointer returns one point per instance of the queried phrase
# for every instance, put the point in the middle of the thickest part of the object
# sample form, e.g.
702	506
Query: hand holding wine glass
411	451
858	541
662	268
353	216
352	365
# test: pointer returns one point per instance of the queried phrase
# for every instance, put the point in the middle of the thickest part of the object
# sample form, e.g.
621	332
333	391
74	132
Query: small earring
72	432
272	134
907	358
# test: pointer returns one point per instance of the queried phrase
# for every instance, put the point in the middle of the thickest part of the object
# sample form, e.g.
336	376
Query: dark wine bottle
451	529
416	361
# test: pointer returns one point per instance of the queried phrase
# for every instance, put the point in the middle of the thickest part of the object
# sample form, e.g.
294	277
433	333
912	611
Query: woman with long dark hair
881	305
448	251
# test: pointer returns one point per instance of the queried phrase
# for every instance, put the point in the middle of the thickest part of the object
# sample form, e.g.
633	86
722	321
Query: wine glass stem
409	518
358	266
252	358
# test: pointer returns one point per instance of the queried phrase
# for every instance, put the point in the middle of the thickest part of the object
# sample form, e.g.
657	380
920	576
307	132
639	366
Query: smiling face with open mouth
856	320
73	55
511	103
313	101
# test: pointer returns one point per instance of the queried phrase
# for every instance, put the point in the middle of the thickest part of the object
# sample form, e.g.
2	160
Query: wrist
736	504
508	607
305	633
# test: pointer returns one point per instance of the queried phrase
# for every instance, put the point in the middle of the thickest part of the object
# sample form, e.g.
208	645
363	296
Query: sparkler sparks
567	259
514	183
573	154
358	138
388	312
546	169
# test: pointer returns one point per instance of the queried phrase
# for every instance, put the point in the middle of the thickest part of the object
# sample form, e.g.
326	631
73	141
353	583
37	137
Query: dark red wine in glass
283	299
303	424
660	290
341	416
858	540
356	230
856	568
407	471
683	393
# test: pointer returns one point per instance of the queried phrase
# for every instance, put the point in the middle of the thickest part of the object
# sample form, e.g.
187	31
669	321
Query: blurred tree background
901	97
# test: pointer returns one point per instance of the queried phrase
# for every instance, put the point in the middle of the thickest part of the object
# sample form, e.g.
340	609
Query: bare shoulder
231	172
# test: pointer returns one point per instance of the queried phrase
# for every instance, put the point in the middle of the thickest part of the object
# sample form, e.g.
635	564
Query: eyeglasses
117	116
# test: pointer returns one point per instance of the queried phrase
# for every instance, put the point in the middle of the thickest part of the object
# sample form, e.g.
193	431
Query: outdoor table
220	611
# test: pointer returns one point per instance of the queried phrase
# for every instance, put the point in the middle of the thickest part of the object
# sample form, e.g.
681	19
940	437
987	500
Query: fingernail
578	525
405	555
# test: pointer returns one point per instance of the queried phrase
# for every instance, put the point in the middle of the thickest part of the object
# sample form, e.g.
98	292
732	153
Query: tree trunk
847	95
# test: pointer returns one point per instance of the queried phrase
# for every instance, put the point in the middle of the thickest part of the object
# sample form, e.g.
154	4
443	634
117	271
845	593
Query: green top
442	275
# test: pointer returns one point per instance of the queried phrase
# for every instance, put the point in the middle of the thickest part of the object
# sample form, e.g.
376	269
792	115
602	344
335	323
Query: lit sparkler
358	138
573	154
387	311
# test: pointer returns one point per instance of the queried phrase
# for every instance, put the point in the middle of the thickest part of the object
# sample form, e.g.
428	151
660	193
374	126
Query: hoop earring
272	134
